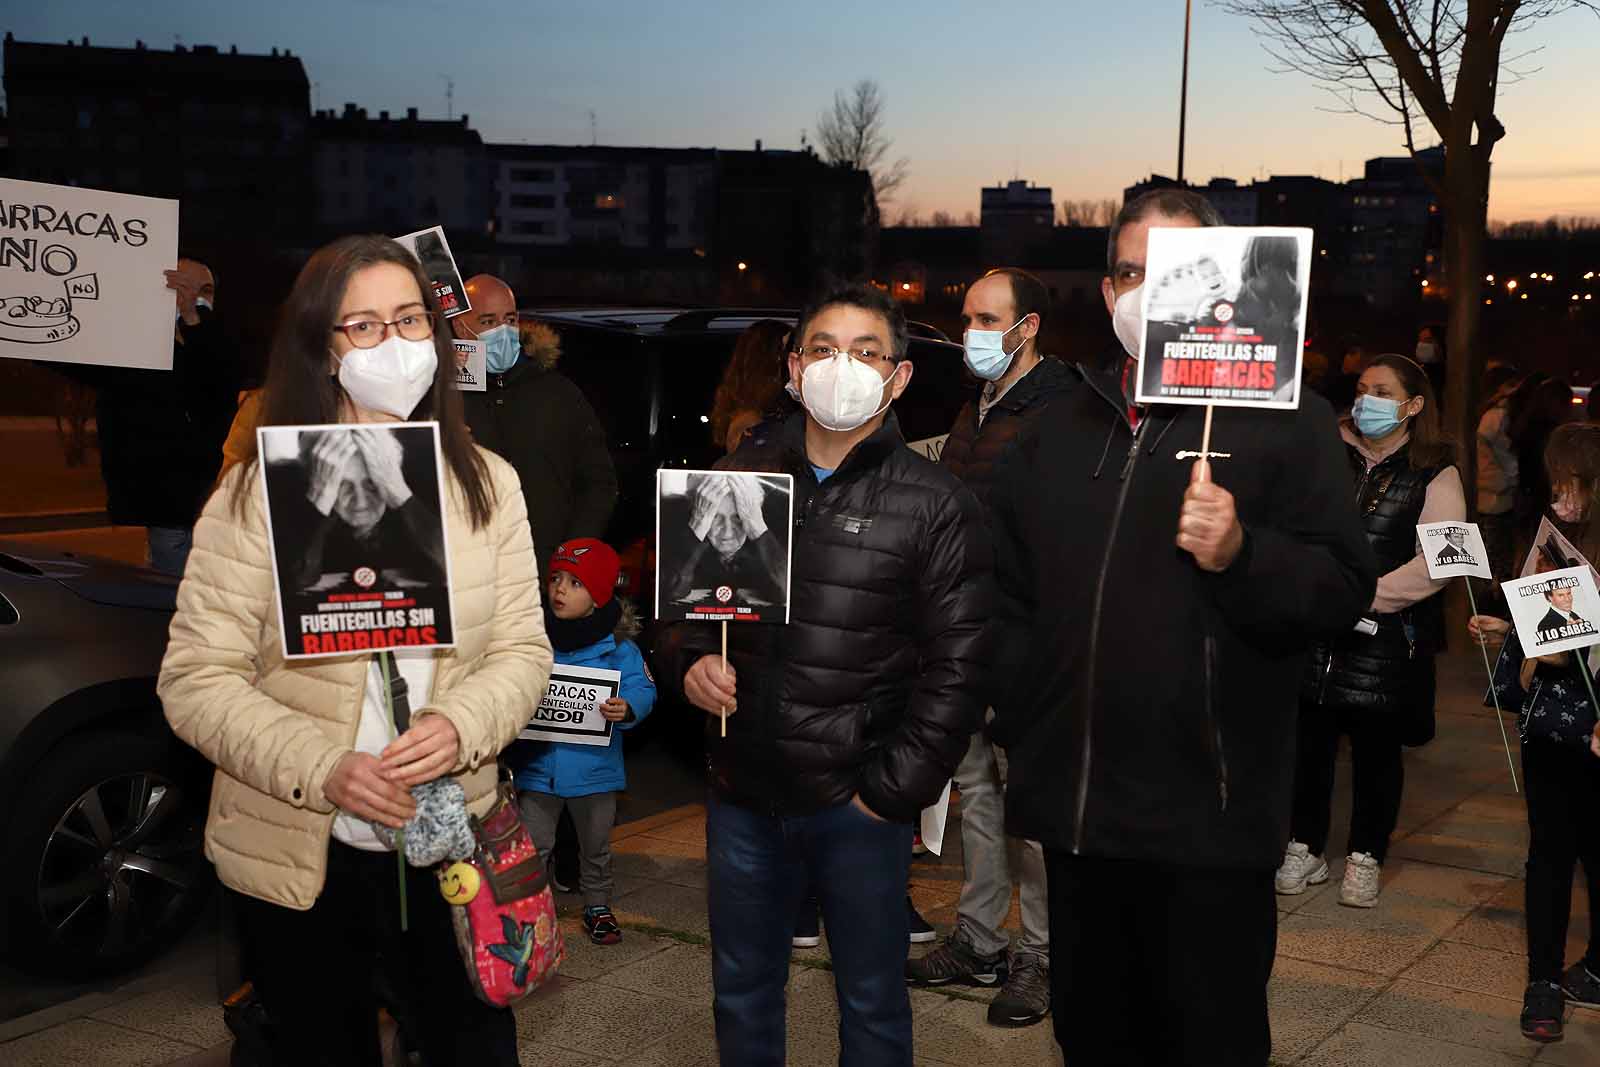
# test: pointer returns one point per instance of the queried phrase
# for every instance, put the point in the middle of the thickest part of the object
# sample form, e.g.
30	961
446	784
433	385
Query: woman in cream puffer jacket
318	908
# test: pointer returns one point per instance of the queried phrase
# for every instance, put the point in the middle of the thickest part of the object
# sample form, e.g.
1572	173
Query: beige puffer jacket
274	729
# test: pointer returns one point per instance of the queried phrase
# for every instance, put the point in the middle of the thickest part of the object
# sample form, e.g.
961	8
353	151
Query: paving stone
959	1034
544	1054
598	1020
690	830
691	1045
89	1041
681	972
673	907
1473	970
1361	1045
1580	1046
1464	1018
187	1013
661	859
1307	1002
1356	939
1449	851
587	960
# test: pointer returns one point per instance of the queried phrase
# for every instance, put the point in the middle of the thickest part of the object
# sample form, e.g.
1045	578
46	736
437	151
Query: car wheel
105	857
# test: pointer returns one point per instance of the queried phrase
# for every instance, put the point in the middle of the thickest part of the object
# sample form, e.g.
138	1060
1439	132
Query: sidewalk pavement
1432	976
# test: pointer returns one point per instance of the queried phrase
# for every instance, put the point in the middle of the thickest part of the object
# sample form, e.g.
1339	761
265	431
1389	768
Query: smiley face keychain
459	883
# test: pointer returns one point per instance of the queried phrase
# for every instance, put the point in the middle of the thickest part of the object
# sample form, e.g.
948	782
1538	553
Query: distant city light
705	418
1524	296
1586	277
743	265
1512	284
1424	283
905	287
1488	277
1488	300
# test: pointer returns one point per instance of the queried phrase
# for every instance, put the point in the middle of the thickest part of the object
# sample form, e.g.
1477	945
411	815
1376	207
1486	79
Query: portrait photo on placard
432	250
1555	611
472	365
356	519
1453	550
722	545
1224	316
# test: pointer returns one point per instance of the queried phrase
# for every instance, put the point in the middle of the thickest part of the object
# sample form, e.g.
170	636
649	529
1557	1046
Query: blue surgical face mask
502	345
1376	416
986	355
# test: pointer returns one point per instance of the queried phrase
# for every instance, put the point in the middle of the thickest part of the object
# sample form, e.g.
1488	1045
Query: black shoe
808	927
1025	999
1581	985
1542	1007
921	932
954	961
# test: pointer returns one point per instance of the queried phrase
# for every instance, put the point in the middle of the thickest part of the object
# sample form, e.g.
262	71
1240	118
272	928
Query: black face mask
569	635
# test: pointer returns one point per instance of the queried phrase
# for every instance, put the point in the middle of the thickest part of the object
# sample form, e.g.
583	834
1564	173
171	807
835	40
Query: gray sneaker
955	961
1025	999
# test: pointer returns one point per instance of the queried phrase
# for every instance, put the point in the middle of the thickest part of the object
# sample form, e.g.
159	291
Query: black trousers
1377	772
1562	786
315	970
1158	965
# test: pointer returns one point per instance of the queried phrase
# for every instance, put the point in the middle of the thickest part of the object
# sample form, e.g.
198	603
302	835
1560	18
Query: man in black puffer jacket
1003	314
843	725
1158	616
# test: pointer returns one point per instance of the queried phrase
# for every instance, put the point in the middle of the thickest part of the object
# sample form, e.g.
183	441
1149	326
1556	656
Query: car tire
104	857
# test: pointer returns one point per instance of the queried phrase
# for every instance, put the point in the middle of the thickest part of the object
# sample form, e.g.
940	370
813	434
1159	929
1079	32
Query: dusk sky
1079	96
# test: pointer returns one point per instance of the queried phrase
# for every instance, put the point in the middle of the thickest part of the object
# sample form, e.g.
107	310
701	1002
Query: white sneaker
1360	888
1300	869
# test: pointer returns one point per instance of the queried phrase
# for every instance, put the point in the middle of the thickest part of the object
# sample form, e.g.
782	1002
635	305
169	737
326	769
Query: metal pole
1183	96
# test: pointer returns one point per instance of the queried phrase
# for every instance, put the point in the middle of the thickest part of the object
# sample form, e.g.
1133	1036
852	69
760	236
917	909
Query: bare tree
1408	63
1089	212
942	218
851	134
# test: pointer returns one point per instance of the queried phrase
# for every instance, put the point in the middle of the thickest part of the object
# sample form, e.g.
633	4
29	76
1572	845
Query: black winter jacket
973	451
161	432
874	686
1152	708
540	422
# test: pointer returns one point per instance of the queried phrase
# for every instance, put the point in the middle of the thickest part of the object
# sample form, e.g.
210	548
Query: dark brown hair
1173	203
301	389
1428	445
1572	457
1029	296
755	375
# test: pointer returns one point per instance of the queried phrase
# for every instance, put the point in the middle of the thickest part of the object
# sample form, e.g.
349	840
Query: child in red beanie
589	626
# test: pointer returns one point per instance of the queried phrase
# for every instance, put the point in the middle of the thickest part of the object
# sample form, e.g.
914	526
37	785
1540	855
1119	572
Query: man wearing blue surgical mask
537	419
1003	314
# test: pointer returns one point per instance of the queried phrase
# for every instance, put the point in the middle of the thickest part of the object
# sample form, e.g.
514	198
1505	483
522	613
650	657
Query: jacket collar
524	369
869	452
1049	373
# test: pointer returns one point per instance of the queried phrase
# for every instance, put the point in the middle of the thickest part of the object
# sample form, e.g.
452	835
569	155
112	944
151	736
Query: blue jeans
169	548
759	866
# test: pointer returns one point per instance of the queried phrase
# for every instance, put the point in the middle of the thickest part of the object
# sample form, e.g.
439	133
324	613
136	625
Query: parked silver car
101	808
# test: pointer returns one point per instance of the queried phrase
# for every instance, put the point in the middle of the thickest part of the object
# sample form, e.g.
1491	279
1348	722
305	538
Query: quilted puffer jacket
973	451
875	685
274	729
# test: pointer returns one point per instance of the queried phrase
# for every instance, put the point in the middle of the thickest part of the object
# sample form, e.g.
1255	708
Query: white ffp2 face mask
390	377
1127	321
842	393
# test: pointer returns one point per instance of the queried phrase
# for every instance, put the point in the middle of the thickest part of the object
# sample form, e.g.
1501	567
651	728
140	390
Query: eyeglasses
369	333
811	353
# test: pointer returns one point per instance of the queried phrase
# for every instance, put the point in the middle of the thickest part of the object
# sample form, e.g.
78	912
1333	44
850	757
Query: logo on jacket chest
851	524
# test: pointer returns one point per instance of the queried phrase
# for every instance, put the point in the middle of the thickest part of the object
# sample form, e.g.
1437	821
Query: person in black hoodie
843	725
1003	313
1158	607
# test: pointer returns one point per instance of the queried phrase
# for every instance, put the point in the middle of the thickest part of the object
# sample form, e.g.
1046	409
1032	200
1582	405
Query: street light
743	265
1512	284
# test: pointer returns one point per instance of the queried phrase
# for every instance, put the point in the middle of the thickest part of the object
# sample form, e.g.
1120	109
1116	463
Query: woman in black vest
1376	684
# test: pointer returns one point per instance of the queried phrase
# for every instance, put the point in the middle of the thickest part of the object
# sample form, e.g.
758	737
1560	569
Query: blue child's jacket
567	770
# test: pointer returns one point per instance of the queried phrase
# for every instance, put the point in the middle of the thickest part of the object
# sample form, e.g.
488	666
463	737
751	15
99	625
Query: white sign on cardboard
432	250
1223	316
1453	550
570	710
81	275
934	818
1555	611
472	366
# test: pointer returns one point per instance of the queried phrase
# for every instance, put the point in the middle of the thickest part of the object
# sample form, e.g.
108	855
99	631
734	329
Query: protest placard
1224	312
439	264
1454	550
570	710
1555	611
722	546
355	515
81	275
472	366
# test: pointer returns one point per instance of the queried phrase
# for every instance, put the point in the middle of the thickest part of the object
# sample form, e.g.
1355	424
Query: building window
530	227
538	175
537	201
607	202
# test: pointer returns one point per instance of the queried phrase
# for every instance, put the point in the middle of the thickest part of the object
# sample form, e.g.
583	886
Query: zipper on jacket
1094	638
1218	754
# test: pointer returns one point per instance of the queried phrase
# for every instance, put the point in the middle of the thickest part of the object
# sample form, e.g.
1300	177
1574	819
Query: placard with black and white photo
355	513
472	366
1453	550
1555	611
723	540
433	252
1224	315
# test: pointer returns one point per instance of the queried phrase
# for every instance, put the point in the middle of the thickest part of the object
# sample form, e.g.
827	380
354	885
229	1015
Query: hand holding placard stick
1456	549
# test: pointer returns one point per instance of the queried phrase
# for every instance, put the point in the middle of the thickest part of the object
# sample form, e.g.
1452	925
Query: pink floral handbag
503	909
